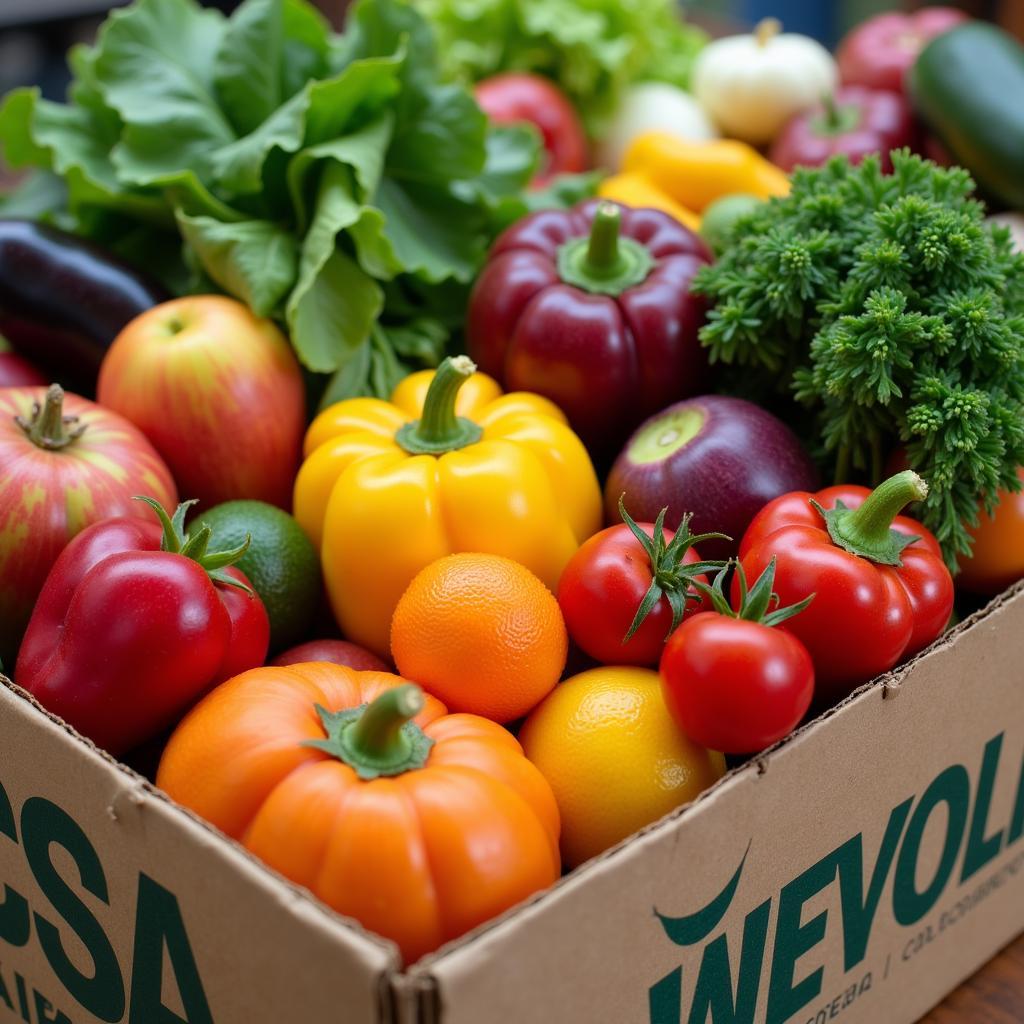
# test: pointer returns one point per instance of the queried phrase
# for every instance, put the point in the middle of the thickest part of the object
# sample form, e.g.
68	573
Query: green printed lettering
792	940
44	824
858	910
43	1010
15	923
952	788
714	991
5	995
665	999
981	849
158	924
1017	821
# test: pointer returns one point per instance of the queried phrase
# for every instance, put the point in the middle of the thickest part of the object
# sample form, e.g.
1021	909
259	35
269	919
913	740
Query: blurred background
36	34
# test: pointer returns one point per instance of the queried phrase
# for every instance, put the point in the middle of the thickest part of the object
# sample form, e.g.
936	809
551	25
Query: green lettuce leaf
593	49
254	260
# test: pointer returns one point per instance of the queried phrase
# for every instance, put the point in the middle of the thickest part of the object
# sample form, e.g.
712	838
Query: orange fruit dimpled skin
481	633
616	761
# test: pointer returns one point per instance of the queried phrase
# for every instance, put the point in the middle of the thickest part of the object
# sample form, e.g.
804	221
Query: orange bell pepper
419	824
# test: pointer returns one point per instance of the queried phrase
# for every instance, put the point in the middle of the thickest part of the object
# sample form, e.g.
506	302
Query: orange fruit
482	634
614	758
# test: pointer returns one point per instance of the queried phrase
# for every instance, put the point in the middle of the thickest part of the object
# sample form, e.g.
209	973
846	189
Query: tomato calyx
196	547
48	427
670	577
867	530
757	602
439	430
379	738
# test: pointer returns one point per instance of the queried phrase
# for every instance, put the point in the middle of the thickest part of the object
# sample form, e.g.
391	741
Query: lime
281	563
720	216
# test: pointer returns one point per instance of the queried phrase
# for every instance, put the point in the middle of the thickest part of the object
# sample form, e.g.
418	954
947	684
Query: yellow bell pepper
637	190
695	174
449	464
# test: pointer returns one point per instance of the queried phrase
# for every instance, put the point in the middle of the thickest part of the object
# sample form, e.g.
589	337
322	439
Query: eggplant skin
64	300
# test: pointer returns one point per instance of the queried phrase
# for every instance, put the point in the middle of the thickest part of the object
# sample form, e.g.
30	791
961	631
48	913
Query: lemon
614	758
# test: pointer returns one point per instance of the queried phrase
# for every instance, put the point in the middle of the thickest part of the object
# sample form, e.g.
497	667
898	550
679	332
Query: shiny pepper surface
449	464
882	591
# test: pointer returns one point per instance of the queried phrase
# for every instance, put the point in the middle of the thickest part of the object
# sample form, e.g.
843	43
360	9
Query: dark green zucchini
968	87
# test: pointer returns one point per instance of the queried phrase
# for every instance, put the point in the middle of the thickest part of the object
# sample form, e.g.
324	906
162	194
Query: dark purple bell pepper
591	308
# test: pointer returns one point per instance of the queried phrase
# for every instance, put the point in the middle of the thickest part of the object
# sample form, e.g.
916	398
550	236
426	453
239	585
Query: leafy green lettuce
593	49
333	182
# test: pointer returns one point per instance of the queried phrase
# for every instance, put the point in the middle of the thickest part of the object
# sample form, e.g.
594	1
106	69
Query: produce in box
345	191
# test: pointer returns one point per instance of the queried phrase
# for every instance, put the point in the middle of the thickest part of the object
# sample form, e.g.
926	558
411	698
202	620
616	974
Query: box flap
118	902
863	867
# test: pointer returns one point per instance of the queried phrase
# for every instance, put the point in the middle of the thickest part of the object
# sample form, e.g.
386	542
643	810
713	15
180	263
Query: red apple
721	458
217	391
880	51
340	652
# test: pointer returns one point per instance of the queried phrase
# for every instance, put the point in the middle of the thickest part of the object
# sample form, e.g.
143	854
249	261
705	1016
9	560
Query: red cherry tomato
733	685
513	98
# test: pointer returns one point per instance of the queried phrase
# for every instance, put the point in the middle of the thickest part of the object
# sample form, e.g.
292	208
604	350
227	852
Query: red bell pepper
882	591
135	623
853	123
517	97
591	308
879	52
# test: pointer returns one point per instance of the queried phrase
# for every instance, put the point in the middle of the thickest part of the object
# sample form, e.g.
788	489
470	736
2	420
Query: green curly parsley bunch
895	315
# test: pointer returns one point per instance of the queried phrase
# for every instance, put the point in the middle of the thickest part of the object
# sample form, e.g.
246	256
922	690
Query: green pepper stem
867	530
379	738
603	262
438	429
377	735
868	526
48	426
603	246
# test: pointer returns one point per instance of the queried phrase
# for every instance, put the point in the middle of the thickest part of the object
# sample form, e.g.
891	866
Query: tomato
997	557
733	685
516	97
627	588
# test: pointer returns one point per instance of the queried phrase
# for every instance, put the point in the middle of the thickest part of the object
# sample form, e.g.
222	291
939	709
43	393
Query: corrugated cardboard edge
420	984
300	900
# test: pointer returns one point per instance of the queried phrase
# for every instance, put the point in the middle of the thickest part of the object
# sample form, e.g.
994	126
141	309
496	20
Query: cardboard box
858	871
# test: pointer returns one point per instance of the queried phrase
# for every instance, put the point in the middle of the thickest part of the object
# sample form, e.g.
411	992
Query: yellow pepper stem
439	430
